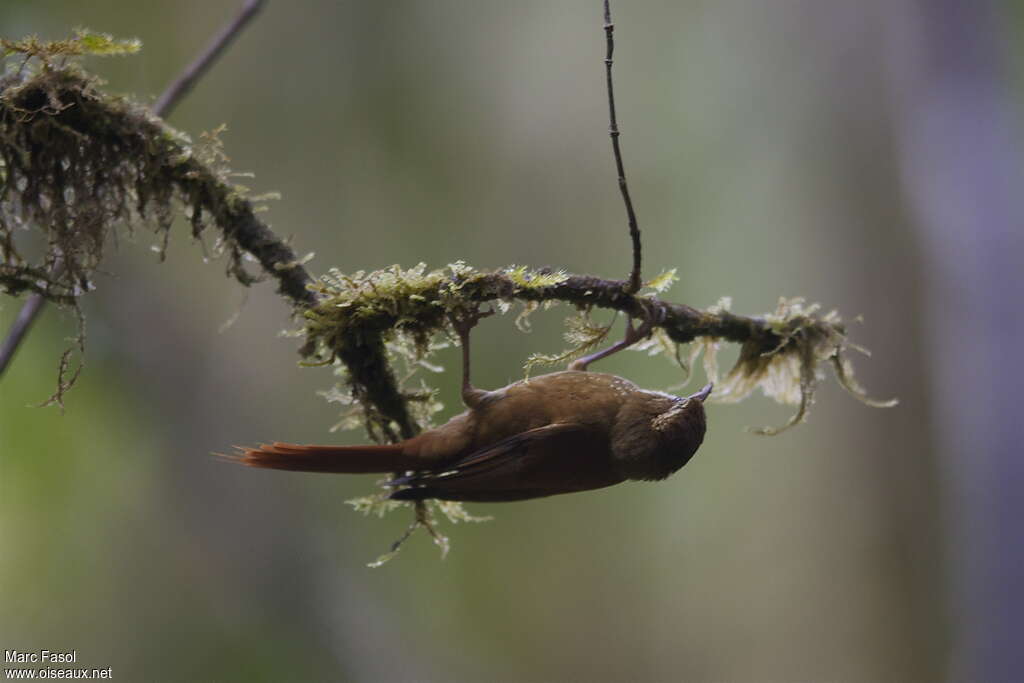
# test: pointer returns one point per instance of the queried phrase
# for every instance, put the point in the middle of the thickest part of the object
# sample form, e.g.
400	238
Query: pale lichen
532	279
582	334
379	504
424	518
789	371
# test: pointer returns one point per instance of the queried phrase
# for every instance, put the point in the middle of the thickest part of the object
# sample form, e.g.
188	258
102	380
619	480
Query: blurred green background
773	149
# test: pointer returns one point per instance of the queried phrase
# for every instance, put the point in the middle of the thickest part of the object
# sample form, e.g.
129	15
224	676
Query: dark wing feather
557	458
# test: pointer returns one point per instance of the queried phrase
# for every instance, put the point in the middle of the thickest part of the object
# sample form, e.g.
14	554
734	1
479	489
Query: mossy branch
363	318
75	162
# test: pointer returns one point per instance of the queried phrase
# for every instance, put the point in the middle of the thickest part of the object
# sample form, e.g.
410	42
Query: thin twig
197	69
164	105
26	316
633	285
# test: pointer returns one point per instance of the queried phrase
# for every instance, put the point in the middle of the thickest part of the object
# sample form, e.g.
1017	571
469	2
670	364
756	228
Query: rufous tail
339	459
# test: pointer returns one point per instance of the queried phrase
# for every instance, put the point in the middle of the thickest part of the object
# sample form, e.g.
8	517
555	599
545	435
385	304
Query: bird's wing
557	458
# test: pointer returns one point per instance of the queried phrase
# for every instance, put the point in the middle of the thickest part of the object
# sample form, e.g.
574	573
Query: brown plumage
558	433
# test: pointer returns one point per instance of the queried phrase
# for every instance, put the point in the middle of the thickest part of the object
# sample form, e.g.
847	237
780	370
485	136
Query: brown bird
557	433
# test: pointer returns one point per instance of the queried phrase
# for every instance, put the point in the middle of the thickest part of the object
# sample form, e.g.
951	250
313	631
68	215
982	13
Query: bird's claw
632	336
635	334
466	319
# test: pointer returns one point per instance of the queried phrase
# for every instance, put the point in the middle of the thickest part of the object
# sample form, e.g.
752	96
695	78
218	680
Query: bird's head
681	429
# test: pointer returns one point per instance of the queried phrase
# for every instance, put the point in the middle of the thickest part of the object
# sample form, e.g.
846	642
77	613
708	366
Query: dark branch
633	285
365	318
352	324
682	323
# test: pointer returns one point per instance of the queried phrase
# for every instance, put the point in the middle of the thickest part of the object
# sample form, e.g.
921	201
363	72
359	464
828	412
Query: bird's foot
633	335
464	320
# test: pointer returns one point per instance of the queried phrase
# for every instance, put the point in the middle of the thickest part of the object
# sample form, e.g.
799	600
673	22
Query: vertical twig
165	103
613	132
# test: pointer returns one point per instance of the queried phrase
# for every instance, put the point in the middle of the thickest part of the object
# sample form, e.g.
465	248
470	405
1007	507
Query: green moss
370	321
663	282
83	43
583	336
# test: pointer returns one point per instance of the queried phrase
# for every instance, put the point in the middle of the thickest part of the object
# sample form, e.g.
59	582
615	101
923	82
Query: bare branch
197	69
26	316
633	285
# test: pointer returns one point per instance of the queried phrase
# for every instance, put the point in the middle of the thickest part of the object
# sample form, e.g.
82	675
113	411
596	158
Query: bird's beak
702	394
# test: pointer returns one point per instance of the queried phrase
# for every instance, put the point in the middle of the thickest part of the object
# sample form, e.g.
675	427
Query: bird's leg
462	324
633	335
